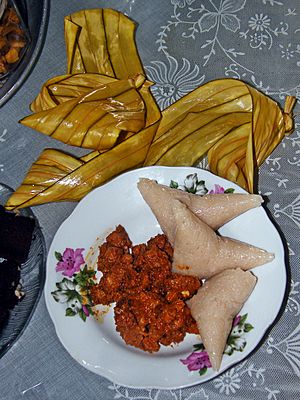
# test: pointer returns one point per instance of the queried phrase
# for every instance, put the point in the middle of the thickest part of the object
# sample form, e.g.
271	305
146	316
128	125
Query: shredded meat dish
12	39
150	307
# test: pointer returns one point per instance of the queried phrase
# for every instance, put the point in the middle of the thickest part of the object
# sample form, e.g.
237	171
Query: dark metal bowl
32	280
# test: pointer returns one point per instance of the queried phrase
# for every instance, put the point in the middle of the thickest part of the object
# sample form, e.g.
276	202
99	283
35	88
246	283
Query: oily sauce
150	307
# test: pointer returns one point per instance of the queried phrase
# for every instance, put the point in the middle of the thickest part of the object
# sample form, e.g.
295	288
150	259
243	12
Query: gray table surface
257	41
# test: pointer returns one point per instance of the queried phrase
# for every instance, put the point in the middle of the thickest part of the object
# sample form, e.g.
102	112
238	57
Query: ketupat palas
94	120
57	176
236	126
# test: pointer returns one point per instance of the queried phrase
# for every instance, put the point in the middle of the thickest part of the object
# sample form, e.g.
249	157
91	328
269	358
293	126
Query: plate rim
204	379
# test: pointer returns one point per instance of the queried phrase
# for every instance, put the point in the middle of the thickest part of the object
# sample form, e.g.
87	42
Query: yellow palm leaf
62	88
102	41
93	120
237	126
56	176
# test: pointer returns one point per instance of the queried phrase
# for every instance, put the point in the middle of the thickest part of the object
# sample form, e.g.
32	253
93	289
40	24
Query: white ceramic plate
97	346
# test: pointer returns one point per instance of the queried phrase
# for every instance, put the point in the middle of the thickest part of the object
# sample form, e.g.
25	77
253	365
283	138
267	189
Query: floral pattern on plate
192	184
74	293
198	360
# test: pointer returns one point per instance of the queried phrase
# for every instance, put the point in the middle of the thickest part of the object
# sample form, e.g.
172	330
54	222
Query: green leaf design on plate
243	319
82	315
173	185
58	255
248	327
198	347
84	277
70	312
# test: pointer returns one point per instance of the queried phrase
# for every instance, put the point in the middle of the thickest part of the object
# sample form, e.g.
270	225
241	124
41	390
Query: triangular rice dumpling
214	209
200	252
216	304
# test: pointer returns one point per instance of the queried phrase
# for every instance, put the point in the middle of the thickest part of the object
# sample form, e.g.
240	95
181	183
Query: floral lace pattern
232	31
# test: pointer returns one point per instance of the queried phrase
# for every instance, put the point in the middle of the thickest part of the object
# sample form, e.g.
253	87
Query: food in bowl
13	37
16	233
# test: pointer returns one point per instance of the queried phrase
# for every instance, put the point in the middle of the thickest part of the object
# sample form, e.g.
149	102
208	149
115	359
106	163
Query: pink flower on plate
197	361
85	310
70	262
217	190
236	320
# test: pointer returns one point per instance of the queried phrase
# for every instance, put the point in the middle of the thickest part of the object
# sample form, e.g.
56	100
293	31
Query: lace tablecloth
182	43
